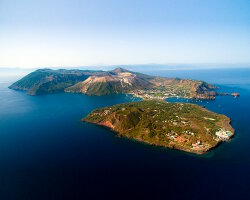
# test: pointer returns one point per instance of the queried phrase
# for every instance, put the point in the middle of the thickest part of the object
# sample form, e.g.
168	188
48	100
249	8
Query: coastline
171	147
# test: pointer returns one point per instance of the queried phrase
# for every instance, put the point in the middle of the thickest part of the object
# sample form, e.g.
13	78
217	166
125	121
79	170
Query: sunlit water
46	152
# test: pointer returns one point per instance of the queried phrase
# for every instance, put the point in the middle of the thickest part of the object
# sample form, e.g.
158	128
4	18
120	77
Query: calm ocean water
47	153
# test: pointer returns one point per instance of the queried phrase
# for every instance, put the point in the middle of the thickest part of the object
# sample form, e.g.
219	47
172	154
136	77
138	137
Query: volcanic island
182	126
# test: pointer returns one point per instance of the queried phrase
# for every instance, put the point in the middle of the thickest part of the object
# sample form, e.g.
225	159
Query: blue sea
46	152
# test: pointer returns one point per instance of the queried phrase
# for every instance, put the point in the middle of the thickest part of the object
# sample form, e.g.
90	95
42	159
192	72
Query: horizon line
181	65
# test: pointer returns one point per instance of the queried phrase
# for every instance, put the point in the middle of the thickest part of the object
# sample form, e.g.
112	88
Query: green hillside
45	81
187	127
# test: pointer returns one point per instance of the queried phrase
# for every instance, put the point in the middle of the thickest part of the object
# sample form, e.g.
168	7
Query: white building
222	134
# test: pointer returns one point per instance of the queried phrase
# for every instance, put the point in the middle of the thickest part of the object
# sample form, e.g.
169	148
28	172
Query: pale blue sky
47	33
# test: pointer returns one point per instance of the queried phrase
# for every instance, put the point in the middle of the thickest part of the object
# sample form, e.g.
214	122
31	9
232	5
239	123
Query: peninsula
182	126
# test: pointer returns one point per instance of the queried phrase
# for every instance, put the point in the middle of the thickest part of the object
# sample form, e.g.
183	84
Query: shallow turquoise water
47	153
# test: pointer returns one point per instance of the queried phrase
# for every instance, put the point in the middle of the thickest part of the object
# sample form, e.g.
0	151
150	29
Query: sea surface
46	152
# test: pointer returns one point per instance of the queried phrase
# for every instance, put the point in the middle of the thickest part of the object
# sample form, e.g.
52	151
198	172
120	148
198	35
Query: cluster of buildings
153	94
223	134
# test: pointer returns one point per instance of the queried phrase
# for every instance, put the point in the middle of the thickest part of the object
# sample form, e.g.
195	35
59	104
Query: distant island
182	126
118	81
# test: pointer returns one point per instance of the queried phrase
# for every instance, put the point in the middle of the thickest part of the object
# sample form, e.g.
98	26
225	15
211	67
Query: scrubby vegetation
187	127
44	81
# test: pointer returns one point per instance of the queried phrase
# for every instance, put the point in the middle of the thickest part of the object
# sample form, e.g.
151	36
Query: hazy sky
43	33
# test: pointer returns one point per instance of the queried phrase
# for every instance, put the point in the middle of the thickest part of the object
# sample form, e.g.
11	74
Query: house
197	143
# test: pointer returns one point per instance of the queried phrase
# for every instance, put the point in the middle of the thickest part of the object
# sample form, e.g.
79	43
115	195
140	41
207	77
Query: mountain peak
119	70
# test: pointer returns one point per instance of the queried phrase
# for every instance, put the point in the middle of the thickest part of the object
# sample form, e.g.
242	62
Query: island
117	81
182	126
